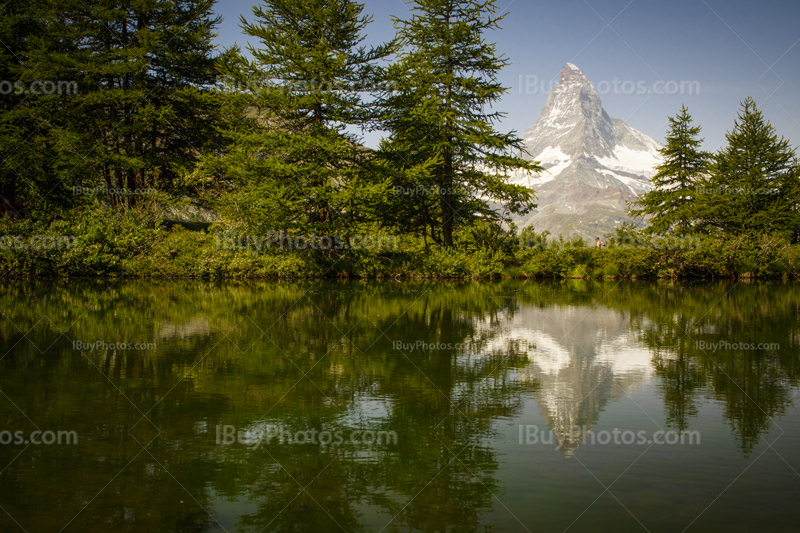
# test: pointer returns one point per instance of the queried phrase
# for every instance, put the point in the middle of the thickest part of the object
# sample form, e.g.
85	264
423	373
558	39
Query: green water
443	375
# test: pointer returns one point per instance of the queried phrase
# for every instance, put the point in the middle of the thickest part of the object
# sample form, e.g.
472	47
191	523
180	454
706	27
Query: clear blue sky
733	49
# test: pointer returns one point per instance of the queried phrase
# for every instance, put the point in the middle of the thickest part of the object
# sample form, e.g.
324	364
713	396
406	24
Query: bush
453	263
101	242
107	242
579	271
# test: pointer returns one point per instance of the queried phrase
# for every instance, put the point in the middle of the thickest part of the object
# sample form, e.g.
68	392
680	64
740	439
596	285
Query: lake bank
123	246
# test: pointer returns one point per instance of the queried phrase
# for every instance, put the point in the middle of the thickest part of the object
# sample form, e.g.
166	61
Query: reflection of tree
441	402
754	385
212	366
681	383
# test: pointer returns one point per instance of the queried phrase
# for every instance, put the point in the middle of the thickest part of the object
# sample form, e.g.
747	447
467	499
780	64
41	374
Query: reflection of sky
192	328
581	358
366	411
555	337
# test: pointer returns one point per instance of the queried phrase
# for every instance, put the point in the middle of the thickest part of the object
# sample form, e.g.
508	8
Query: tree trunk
447	218
446	193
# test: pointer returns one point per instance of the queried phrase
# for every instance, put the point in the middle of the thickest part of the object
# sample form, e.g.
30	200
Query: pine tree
24	172
135	104
295	164
443	142
672	201
754	183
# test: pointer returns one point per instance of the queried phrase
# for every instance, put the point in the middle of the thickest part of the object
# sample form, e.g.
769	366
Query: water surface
447	388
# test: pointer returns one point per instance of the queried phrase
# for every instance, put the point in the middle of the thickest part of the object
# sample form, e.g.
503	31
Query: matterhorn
594	164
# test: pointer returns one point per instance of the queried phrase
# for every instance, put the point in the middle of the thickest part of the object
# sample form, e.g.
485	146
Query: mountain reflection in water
453	369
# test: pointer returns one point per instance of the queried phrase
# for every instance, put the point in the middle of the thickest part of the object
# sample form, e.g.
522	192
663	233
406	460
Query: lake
381	406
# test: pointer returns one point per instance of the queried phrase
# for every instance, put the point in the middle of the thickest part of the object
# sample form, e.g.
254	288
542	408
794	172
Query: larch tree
134	102
295	164
443	145
672	202
754	181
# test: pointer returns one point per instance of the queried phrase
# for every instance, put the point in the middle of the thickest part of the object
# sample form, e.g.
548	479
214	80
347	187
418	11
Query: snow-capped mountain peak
594	163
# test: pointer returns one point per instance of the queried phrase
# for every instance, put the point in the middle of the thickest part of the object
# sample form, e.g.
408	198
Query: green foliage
754	184
188	254
112	242
671	204
271	148
24	172
134	104
579	271
94	242
454	263
443	141
293	164
557	258
625	236
491	236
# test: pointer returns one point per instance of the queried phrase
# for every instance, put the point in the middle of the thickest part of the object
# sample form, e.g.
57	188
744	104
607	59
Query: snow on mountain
595	164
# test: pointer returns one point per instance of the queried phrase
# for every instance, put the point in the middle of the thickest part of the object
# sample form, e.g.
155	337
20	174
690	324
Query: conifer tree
24	172
295	163
134	103
754	183
672	202
443	140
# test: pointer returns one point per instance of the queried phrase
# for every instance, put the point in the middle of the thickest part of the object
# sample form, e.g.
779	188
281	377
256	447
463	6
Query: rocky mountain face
595	164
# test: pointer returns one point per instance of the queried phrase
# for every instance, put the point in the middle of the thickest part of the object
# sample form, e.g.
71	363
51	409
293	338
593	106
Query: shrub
611	271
